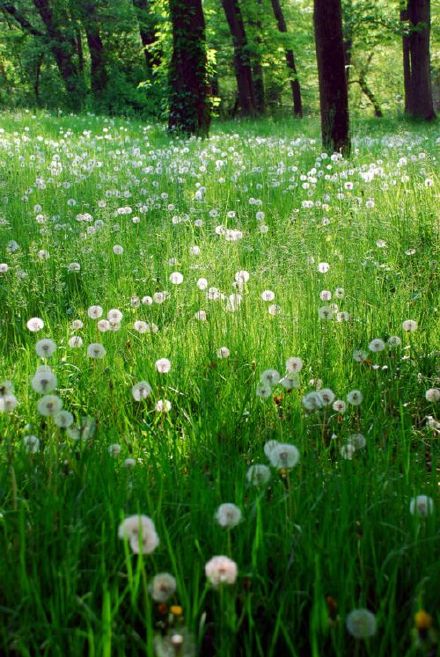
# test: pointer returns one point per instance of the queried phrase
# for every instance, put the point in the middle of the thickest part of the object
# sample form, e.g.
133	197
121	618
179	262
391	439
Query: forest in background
117	55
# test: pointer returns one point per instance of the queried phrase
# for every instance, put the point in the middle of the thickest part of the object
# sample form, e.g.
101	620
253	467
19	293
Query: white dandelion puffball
44	380
241	276
376	345
290	382
339	406
355	397
141	390
103	325
96	350
45	348
361	623
294	364
323	267
31	444
163	406
228	515
49	405
268	295
409	325
118	249
163	365
274	309
421	506
270	377
95	312
114	315
8	403
35	324
312	401
176	278
269	446
77	325
63	419
140	532
115	449
283	456
75	342
221	570
326	396
223	352
258	474
162	587
432	395
264	390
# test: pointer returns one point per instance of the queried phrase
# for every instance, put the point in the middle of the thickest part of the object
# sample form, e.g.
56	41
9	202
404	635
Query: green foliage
373	27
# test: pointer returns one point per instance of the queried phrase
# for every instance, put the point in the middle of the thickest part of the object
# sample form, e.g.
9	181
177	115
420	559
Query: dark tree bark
98	73
63	47
257	69
290	60
147	31
242	64
189	103
416	60
332	78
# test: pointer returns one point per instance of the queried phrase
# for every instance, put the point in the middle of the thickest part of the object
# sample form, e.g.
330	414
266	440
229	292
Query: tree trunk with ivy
189	110
332	76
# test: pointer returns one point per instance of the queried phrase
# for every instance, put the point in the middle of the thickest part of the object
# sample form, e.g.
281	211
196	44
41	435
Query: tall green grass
332	534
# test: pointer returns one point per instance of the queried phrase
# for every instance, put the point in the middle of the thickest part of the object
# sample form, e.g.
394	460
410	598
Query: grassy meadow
175	313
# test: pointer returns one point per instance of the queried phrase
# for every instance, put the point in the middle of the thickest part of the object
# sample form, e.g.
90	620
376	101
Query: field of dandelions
219	391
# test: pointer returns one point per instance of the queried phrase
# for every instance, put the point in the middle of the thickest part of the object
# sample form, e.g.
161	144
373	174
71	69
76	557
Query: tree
147	30
98	73
332	77
361	17
416	17
189	109
242	63
63	46
290	60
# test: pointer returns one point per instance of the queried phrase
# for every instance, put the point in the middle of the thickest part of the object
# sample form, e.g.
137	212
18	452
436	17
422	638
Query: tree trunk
98	73
417	60
63	47
242	64
257	69
370	94
406	62
189	103
332	77
147	31
290	60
